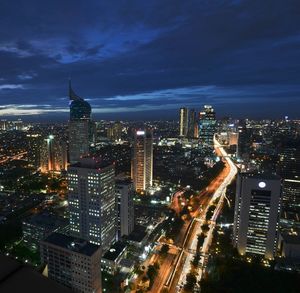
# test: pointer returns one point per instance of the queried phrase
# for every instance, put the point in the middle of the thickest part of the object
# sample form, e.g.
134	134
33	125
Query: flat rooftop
264	176
91	163
46	220
114	251
71	243
138	234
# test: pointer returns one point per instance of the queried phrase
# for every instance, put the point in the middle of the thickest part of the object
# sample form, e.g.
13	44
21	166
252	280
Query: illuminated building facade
92	201
289	170
114	132
257	213
207	126
142	160
34	150
53	155
72	262
80	127
183	122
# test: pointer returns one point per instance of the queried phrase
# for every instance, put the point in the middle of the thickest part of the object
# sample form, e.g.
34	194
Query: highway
219	186
14	157
175	267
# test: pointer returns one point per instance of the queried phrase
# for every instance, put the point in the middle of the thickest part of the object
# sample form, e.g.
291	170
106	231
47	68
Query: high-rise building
192	124
289	170
34	149
80	127
207	126
114	132
142	160
244	141
183	122
53	155
92	201
72	262
125	193
257	213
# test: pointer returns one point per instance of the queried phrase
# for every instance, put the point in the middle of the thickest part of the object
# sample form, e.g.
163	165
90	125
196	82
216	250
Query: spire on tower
72	94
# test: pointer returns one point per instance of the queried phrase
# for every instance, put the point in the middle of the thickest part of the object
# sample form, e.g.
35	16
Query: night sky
144	59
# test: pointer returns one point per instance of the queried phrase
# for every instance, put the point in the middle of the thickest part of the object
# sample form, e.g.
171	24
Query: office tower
114	132
207	126
92	201
192	123
233	138
53	155
142	160
80	127
183	122
34	150
244	141
124	194
289	170
72	262
257	212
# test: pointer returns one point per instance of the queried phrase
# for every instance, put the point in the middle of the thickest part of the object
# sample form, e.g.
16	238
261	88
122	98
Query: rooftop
264	176
91	163
46	220
114	251
138	234
71	243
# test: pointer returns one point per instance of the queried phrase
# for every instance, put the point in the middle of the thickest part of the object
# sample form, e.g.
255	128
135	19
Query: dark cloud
139	56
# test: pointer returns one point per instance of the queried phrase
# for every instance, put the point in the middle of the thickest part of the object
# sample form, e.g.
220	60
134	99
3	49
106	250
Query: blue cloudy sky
144	59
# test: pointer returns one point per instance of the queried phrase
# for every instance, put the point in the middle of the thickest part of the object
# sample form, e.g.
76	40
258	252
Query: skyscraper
125	193
192	123
114	132
72	262
142	160
92	201
34	149
257	212
183	122
53	155
207	126
289	170
80	127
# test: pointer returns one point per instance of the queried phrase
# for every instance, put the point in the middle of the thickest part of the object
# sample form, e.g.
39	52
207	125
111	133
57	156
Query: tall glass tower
207	126
79	127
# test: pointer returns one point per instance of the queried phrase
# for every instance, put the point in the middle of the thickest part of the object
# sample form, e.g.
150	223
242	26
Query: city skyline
135	60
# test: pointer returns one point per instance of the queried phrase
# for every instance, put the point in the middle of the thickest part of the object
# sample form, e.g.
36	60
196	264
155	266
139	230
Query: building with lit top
72	262
207	126
53	155
92	201
183	122
142	160
257	214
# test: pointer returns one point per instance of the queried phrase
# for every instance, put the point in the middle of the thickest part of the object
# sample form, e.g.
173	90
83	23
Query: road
14	157
216	189
174	269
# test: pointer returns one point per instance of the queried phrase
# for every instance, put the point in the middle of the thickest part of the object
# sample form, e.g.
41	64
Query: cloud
138	55
11	86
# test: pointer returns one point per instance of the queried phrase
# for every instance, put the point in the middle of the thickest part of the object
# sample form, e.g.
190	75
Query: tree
164	250
191	281
205	228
